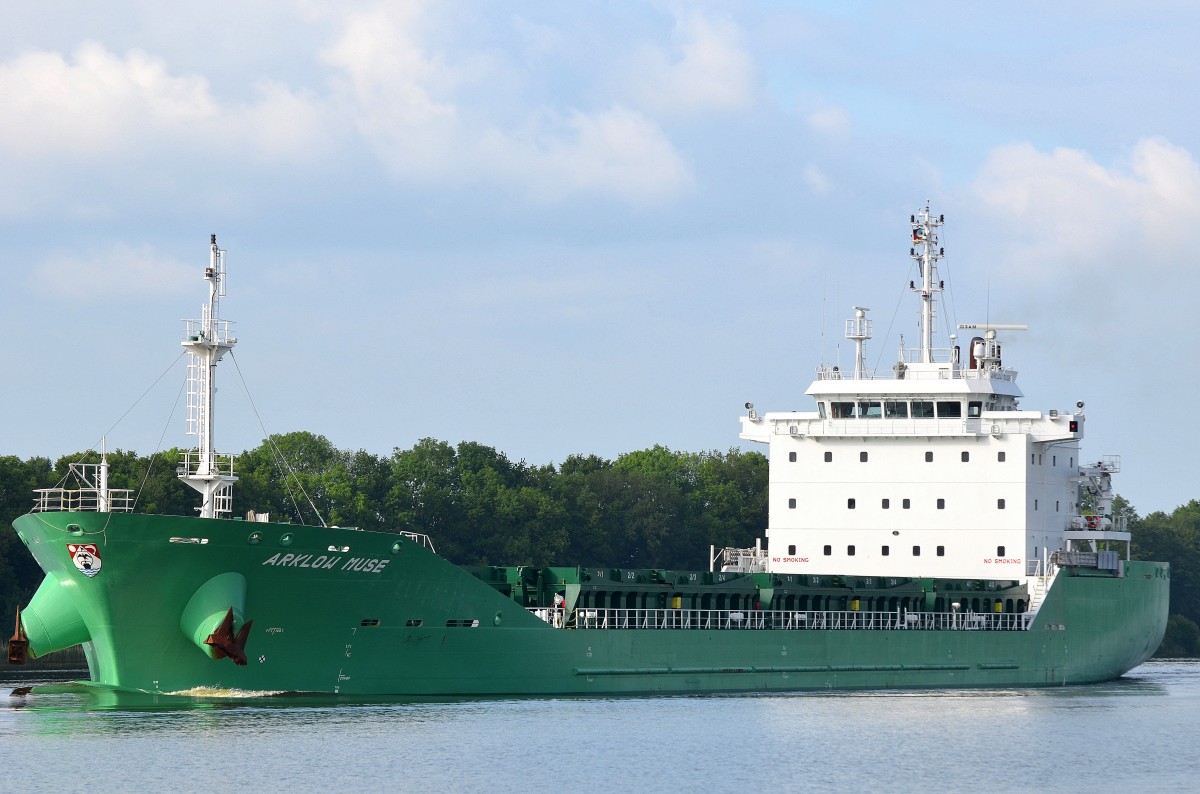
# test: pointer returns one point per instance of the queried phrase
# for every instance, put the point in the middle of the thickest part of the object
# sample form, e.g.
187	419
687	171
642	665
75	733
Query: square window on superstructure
916	551
929	457
842	410
791	549
922	409
886	504
791	457
1000	456
792	503
828	550
850	503
862	457
975	409
885	551
941	504
895	409
829	457
906	504
949	409
850	551
966	457
941	551
999	504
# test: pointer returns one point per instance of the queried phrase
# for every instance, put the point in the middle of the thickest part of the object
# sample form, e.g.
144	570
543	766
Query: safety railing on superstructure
82	500
784	620
960	373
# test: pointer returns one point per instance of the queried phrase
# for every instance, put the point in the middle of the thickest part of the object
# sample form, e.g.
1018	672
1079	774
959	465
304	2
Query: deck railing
82	500
783	620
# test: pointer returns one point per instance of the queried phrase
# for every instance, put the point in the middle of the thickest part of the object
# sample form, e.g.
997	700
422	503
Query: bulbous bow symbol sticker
86	557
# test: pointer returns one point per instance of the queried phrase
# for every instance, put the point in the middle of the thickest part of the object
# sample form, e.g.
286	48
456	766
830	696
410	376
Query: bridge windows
949	409
922	409
895	409
870	410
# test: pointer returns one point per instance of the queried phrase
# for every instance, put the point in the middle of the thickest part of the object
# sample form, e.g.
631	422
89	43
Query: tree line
649	508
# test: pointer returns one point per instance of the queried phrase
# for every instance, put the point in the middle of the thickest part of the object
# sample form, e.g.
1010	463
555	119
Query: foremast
207	340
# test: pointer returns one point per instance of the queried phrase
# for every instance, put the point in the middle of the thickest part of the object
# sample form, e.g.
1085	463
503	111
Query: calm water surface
1137	733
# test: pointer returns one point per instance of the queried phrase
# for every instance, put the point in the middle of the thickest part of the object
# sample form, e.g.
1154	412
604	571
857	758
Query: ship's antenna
926	252
206	341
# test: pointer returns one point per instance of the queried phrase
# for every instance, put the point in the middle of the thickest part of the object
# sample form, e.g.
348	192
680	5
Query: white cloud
817	182
399	81
832	121
1067	214
613	151
94	103
122	271
709	68
403	100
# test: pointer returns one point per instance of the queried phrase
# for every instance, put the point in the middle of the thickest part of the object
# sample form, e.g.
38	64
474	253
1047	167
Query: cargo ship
924	530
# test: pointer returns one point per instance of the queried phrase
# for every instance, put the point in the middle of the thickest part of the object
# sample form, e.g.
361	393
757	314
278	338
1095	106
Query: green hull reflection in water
356	613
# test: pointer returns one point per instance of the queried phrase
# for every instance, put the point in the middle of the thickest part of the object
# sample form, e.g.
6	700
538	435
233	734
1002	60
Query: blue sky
588	227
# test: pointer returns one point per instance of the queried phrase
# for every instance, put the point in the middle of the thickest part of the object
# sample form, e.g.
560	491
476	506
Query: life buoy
1093	522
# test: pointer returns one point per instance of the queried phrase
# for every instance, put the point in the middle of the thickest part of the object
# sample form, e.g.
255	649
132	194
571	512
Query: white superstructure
930	469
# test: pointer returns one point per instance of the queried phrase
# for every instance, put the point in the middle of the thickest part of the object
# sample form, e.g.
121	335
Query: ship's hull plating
361	613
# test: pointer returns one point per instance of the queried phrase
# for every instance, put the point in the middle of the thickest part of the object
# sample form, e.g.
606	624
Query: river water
1138	733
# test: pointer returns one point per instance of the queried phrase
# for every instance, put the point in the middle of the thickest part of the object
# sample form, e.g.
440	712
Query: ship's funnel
51	621
208	608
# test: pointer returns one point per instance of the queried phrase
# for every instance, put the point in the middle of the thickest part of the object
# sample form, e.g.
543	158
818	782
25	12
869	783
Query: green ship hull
354	613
